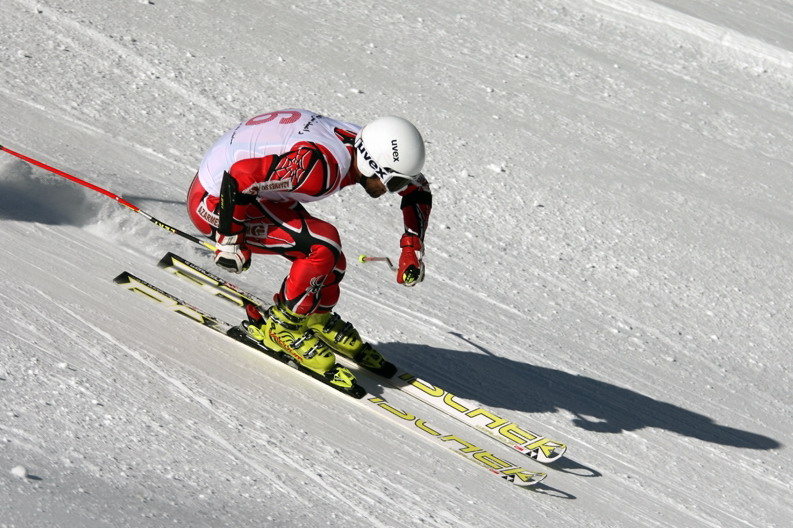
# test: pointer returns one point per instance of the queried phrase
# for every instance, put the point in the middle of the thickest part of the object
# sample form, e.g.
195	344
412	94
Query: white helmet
392	149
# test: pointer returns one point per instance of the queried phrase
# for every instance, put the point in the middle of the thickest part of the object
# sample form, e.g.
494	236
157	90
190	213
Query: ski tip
548	457
522	478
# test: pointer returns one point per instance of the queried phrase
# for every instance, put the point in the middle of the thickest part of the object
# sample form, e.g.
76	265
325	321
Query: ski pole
119	199
366	258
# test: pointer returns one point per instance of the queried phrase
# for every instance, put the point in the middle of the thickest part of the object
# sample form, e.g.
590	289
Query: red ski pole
119	199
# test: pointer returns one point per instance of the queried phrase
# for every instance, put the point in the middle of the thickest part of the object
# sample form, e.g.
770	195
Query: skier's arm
238	190
416	207
305	172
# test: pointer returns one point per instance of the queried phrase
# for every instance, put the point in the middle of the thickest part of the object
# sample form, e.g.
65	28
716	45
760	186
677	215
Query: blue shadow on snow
598	406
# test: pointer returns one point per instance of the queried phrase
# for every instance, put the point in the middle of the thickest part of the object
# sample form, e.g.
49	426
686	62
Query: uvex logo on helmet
394	150
368	159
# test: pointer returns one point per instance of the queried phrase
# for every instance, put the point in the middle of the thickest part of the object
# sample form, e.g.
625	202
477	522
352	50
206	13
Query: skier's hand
231	253
411	269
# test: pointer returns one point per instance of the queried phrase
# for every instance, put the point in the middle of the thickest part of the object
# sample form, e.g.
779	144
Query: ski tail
236	332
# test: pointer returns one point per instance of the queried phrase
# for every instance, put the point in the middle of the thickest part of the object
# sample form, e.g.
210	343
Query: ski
509	433
521	439
173	303
480	457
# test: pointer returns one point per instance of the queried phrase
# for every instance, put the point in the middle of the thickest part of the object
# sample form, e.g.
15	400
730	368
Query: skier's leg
318	264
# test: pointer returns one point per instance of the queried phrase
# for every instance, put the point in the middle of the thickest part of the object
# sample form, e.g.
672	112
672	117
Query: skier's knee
326	257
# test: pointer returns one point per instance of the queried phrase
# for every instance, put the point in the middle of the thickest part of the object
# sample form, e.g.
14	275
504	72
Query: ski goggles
393	180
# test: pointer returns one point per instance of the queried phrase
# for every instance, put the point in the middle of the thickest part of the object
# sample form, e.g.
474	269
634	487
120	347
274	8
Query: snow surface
609	262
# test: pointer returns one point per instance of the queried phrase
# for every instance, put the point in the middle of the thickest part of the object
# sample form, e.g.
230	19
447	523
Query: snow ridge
741	45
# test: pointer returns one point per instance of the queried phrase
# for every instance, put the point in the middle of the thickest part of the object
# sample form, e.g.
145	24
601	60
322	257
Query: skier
248	196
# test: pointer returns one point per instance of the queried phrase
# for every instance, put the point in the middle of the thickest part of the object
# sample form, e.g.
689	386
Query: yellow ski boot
344	339
281	329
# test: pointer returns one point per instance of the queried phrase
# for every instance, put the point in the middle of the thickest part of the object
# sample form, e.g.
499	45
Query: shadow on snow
598	406
33	196
29	195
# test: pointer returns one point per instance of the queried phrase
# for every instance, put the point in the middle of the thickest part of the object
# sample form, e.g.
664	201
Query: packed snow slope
609	262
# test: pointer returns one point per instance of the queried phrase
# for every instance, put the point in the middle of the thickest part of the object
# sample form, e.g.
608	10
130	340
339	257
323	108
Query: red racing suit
265	169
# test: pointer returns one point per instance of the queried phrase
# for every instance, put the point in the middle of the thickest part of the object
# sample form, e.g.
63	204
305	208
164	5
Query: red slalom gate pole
119	199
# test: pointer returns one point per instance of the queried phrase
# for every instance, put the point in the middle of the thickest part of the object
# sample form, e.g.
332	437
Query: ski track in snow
607	263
